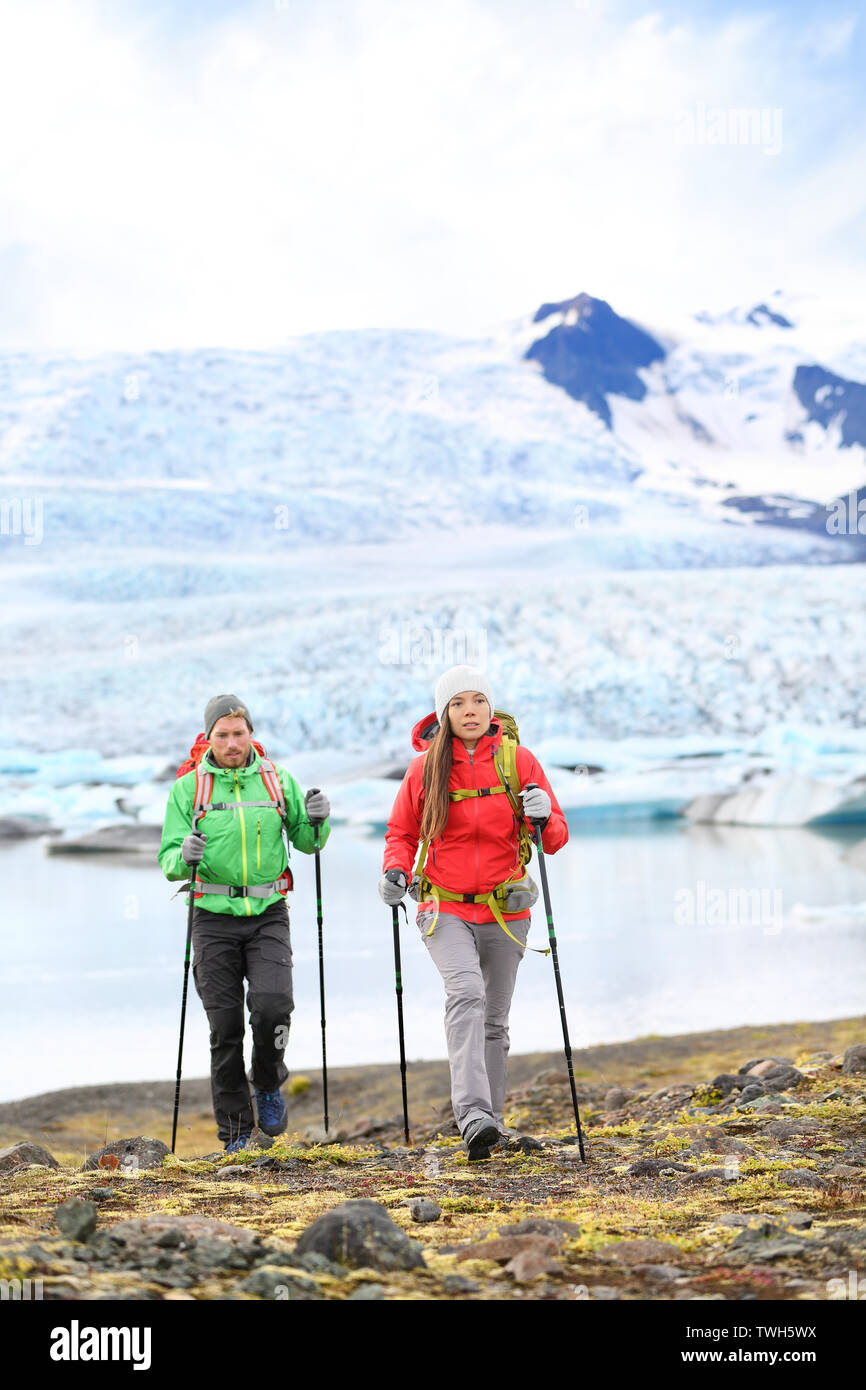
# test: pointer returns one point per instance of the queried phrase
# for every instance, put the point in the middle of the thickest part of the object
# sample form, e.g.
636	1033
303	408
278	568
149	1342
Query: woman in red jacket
477	938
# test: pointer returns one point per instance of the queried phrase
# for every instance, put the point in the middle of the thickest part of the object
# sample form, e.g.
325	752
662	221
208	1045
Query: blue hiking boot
272	1113
235	1145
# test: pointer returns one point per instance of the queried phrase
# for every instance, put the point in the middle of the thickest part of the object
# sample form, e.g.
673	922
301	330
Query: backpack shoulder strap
203	793
506	768
274	786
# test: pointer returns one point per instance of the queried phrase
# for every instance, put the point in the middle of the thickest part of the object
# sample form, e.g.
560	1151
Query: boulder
651	1167
457	1284
617	1097
201	1241
786	1129
132	1155
799	1177
422	1209
720	1144
76	1218
728	1081
23	1153
782	1078
360	1233
854	1059
765	1065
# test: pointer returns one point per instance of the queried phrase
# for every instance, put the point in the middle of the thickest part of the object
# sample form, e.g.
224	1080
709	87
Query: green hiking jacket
244	846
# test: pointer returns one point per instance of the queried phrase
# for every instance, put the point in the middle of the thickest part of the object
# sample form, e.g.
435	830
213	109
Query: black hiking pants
229	949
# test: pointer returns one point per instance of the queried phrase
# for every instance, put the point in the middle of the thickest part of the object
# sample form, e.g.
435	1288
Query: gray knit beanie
222	705
457	679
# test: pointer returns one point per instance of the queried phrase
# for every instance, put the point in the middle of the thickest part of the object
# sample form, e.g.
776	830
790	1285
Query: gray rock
777	1222
617	1097
76	1219
276	1165
835	1094
651	1167
133	1154
457	1284
24	1152
750	1093
422	1209
604	1291
527	1144
801	1219
786	1129
799	1177
234	1170
854	1059
366	1293
720	1144
207	1244
360	1233
782	1079
281	1284
757	1061
726	1082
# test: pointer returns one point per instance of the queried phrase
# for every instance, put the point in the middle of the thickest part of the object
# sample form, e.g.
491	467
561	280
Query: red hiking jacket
479	848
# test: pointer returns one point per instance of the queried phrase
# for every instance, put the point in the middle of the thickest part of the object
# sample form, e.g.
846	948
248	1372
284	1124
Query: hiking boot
272	1112
479	1138
235	1145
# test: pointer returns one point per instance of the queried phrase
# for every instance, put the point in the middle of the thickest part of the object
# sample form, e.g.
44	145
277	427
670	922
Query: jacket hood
426	730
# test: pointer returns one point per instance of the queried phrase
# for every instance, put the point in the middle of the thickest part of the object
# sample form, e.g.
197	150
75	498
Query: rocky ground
720	1166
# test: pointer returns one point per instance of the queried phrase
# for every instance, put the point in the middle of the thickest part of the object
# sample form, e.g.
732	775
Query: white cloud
425	166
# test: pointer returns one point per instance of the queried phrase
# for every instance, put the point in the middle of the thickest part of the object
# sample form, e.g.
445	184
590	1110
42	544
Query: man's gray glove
192	849
392	890
536	802
318	806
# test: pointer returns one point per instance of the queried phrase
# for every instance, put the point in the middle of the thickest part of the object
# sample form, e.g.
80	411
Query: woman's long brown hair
435	776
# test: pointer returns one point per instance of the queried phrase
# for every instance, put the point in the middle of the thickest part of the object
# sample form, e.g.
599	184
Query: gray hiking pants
478	965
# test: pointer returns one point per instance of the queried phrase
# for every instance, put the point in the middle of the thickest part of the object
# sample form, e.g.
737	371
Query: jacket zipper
258	844
243	840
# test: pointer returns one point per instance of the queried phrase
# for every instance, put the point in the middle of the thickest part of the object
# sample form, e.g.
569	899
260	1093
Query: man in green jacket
226	818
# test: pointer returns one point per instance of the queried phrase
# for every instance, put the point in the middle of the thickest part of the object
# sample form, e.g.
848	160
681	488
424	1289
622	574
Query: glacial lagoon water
663	927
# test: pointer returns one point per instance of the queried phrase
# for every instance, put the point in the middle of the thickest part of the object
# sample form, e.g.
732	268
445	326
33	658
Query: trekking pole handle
314	791
394	875
537	820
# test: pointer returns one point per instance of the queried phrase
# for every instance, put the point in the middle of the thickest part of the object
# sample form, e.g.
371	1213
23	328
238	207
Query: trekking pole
536	826
183	1003
394	875
313	791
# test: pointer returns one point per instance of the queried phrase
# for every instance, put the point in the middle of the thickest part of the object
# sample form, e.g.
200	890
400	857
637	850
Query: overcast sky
212	173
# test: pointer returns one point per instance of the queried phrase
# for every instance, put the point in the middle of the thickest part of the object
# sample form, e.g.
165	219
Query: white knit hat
457	679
